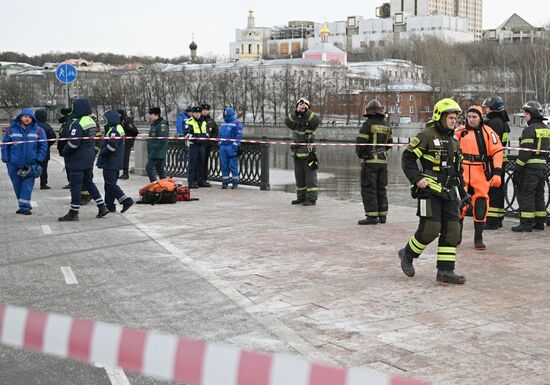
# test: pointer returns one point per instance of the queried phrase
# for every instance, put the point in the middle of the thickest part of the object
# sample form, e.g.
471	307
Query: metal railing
253	163
510	193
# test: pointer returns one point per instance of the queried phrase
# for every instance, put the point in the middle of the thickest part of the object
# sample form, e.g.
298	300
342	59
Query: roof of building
401	87
325	48
516	22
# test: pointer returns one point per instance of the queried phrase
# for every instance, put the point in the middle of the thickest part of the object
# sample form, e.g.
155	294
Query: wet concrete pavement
247	268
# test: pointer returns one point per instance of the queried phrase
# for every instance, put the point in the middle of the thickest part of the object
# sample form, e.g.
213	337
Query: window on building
237	51
250	48
411	98
381	43
411	110
295	48
284	49
258	49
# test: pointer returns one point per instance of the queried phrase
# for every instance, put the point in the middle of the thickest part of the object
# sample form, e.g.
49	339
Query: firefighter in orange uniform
482	164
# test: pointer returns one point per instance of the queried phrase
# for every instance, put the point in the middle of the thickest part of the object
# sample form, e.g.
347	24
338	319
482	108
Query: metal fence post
264	161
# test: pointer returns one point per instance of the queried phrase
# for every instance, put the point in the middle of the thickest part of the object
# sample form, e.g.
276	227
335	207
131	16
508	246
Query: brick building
405	103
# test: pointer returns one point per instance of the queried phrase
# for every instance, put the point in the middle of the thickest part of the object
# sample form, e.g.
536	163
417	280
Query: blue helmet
494	103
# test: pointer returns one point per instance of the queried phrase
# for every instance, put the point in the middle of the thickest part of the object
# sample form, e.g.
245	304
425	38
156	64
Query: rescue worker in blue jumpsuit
229	150
181	119
79	154
195	127
24	160
111	160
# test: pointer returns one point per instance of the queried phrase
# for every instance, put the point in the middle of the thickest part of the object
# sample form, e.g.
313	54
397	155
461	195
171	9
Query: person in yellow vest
111	160
79	154
196	127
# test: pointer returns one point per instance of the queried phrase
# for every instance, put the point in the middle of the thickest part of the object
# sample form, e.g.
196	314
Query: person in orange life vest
482	165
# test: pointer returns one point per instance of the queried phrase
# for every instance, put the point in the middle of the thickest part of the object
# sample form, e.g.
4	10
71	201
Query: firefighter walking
497	118
439	188
530	168
482	168
374	169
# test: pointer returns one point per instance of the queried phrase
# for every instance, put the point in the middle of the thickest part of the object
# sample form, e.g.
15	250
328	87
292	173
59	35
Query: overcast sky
164	27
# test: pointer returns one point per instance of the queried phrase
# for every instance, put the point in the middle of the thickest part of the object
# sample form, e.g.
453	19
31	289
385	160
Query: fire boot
493	224
71	216
297	201
406	263
525	226
478	235
382	219
368	221
449	276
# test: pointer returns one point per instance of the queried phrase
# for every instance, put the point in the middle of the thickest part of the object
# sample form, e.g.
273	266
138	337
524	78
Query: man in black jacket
42	117
530	169
63	134
497	119
374	170
130	131
213	132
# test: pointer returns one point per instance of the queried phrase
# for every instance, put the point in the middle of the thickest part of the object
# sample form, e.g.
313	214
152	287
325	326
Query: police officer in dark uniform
374	170
303	122
530	169
195	127
79	154
497	118
65	122
130	132
213	132
439	187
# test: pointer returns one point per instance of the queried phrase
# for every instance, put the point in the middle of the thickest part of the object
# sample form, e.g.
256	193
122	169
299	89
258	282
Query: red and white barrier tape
169	357
284	142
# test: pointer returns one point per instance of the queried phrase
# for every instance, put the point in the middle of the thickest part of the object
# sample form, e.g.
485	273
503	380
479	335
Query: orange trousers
477	186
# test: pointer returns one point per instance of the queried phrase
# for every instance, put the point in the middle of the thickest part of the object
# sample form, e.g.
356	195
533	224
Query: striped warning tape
271	142
169	357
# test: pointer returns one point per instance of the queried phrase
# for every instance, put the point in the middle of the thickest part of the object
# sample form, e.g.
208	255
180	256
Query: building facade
471	10
515	30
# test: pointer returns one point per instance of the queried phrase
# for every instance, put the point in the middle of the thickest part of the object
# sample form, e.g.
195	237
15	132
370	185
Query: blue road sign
66	73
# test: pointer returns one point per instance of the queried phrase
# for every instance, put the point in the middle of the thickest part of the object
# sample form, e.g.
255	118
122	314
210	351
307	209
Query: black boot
126	204
368	221
478	235
124	176
309	203
492	224
449	276
406	263
382	219
297	201
101	211
538	226
525	226
71	216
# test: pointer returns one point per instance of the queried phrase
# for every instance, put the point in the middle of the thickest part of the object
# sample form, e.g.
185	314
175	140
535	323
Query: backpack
161	191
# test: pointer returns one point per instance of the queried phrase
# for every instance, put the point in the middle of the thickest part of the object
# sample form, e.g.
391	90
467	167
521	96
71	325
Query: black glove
465	200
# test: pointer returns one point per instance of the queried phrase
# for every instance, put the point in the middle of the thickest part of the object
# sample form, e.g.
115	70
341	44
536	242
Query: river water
340	172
